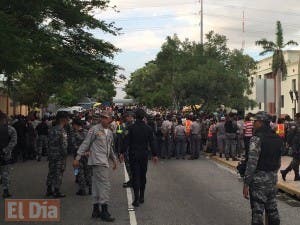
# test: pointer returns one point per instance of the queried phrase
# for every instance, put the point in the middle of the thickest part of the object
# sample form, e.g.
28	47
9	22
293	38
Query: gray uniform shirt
180	130
220	128
196	128
100	146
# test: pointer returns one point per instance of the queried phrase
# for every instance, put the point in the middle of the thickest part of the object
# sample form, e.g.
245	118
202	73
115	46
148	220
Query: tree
54	37
187	73
278	64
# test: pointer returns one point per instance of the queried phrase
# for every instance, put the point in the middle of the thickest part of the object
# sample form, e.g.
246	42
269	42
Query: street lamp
294	97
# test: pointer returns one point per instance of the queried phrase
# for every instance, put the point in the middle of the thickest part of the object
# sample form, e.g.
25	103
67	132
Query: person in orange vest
187	125
280	130
212	137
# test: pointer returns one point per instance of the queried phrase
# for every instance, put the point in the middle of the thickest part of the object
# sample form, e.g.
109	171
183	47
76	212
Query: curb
285	187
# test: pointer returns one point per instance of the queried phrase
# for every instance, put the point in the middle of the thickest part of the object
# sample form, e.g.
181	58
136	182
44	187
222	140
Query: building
289	86
8	106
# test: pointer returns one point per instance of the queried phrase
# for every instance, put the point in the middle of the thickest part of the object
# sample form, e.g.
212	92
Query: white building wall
264	67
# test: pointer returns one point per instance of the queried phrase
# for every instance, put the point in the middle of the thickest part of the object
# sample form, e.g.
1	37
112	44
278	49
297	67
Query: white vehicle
71	110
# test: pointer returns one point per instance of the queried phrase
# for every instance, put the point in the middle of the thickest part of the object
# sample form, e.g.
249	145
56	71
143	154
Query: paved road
179	193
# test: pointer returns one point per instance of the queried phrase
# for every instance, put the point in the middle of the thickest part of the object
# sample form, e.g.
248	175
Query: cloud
139	41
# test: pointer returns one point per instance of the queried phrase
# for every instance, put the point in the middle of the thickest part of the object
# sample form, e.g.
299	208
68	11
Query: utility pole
201	22
243	24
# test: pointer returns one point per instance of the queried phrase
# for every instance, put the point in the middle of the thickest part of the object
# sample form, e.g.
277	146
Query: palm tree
278	64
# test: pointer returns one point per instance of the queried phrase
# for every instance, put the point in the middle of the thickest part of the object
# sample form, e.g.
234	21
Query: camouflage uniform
85	171
7	153
58	150
262	187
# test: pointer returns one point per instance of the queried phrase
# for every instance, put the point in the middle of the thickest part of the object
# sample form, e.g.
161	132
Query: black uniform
138	141
294	142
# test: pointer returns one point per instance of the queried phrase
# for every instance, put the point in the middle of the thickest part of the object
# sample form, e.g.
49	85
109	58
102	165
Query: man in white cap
99	142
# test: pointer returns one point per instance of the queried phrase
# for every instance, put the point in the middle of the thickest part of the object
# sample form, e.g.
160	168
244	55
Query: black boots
283	174
104	215
286	171
96	211
6	193
127	184
142	194
57	194
136	202
49	191
81	192
139	198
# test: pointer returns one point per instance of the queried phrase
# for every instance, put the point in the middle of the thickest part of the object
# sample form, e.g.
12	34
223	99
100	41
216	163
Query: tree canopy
48	45
187	73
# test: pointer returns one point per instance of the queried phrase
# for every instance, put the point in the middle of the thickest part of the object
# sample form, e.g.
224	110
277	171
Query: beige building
291	83
8	106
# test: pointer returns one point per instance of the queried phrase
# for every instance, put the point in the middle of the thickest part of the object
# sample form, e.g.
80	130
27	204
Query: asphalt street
179	192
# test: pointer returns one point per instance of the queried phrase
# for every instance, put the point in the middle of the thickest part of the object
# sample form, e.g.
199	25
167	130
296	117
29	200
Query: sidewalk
289	186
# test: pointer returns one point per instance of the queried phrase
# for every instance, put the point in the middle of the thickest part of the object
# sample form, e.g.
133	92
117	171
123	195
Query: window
259	105
259	77
293	84
282	101
252	107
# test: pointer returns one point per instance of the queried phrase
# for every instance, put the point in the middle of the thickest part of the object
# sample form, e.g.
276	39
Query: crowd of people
95	137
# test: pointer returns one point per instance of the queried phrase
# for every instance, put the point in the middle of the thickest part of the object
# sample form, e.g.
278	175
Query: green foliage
187	73
73	91
52	38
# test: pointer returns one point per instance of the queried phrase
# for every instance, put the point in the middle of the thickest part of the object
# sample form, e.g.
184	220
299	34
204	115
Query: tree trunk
278	93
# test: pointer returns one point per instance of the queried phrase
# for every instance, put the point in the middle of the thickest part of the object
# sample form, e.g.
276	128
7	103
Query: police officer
294	141
129	121
58	151
166	129
139	138
84	176
195	131
231	129
261	173
99	143
8	140
42	139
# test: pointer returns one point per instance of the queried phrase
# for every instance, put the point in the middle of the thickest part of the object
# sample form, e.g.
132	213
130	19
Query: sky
146	24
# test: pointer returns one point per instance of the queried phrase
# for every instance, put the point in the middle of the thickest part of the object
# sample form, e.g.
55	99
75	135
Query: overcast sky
146	24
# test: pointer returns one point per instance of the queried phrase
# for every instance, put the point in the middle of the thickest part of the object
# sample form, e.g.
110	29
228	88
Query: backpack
231	127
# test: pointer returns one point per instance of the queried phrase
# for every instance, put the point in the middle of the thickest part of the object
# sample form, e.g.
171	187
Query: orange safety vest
188	124
280	130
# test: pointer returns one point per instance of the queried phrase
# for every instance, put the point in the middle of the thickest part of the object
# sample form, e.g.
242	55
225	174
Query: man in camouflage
129	121
58	150
42	139
84	176
261	174
8	140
